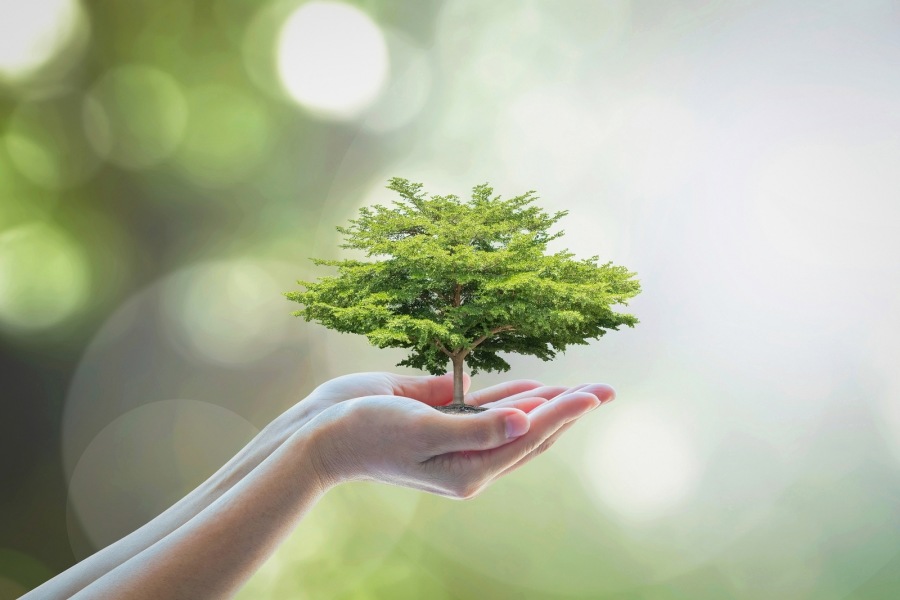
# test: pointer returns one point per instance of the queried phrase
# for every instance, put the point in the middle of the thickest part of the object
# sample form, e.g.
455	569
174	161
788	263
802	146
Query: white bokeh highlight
32	33
641	463
332	59
225	312
147	459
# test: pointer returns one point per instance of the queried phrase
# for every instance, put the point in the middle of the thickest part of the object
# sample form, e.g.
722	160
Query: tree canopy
462	281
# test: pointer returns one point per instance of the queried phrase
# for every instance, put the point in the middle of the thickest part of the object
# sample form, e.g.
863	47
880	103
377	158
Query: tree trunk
458	361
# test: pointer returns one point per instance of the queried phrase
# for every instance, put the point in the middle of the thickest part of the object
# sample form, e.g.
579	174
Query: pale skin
371	426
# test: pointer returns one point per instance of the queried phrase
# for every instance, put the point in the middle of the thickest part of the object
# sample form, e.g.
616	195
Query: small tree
461	281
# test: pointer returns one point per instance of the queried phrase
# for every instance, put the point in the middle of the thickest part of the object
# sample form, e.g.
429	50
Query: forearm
252	455
212	554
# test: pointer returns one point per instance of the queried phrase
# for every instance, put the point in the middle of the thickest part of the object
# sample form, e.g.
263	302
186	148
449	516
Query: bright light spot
228	312
147	459
228	136
33	32
407	91
332	59
641	463
135	116
44	277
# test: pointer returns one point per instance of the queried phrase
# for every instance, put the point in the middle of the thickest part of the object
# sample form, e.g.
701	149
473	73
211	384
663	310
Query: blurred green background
167	168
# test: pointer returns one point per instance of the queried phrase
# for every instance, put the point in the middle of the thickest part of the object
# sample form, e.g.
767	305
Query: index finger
548	392
546	420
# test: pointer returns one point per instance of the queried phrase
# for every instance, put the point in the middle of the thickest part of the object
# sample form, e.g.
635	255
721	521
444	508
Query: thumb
490	429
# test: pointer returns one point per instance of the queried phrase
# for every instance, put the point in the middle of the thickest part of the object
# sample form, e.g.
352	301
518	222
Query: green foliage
456	280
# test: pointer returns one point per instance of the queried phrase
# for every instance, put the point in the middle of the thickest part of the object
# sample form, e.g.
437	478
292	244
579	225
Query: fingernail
597	405
515	426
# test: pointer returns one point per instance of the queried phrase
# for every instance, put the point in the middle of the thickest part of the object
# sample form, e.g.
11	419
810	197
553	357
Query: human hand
401	441
428	389
206	543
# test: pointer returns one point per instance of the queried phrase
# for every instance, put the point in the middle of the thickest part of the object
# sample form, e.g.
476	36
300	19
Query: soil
459	409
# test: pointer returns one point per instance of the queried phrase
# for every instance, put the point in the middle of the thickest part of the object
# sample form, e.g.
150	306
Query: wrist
294	418
325	447
267	441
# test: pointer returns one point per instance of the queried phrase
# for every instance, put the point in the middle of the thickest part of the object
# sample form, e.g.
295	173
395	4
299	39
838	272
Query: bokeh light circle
34	32
641	464
225	312
135	116
22	201
332	59
155	346
146	460
48	145
141	352
228	136
45	277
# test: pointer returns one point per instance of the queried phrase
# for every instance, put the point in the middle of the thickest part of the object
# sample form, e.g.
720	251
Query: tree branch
442	347
492	332
403	234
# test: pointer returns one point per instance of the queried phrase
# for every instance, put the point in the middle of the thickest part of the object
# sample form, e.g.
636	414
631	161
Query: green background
161	185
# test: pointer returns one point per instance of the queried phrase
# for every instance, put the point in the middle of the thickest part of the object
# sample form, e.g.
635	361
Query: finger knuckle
538	447
467	491
543	448
463	484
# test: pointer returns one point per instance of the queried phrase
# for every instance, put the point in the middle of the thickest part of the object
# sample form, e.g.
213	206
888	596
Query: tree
462	281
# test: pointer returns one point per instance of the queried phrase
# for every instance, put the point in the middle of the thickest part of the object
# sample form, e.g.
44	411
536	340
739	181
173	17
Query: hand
428	389
401	441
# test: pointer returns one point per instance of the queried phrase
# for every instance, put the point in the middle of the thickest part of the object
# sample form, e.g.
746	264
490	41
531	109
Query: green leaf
469	278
